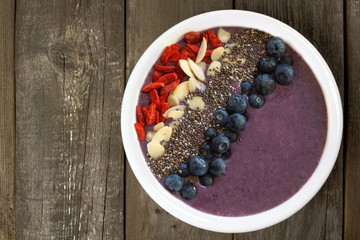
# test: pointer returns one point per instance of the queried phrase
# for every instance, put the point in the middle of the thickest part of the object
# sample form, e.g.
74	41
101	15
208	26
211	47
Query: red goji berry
192	37
156	75
207	60
145	111
174	48
140	131
206	36
163	107
208	52
190	52
163	97
213	39
139	116
152	112
157	117
193	48
169	77
154	96
164	68
179	71
177	56
169	87
151	86
165	56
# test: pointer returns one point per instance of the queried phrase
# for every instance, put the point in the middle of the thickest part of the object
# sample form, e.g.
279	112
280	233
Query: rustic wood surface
64	64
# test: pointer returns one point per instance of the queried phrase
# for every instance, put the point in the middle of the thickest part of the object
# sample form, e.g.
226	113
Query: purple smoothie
277	152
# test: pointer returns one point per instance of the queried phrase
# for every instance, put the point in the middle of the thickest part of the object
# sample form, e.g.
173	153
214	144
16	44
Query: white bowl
175	206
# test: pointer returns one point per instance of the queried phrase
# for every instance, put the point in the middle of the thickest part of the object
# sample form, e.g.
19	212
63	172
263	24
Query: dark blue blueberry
286	59
188	192
284	74
236	103
217	166
183	167
210	133
231	135
221	117
246	87
206	180
256	100
198	166
264	84
237	122
174	182
205	151
226	155
276	47
267	64
220	144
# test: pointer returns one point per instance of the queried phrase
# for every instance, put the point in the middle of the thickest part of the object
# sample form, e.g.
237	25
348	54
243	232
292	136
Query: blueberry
198	166
276	47
286	59
217	166
206	180
221	117
267	64
231	135
174	182
284	74
264	84
246	87
220	144
188	192
237	122
236	103
183	167
226	155
205	151
210	133
256	100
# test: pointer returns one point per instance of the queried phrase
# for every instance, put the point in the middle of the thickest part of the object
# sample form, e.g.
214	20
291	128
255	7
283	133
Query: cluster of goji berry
168	75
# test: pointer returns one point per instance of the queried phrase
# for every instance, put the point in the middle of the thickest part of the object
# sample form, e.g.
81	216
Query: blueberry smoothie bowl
233	125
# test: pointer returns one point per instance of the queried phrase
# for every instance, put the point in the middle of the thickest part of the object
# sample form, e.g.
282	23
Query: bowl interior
232	18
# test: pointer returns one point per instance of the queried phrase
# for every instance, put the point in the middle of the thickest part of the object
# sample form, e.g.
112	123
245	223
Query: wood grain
146	20
322	218
69	83
7	120
352	130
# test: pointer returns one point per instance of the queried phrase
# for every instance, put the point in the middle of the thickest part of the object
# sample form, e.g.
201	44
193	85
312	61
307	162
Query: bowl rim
176	207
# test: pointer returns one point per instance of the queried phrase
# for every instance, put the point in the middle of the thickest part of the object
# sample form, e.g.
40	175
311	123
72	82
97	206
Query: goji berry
169	87
206	36
152	112
165	56
156	75
140	116
190	52
145	111
207	60
154	96
140	131
192	37
164	68
179	71
151	86
193	48
174	48
169	77
163	107
177	56
208	52
157	117
213	39
163	97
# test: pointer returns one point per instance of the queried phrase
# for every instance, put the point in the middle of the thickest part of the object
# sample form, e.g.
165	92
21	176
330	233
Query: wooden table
64	66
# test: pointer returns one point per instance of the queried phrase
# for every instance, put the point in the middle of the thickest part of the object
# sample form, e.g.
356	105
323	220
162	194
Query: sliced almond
227	50
202	65
184	65
199	73
176	114
174	124
149	135
200	85
223	35
158	126
155	150
163	134
175	108
214	67
196	103
202	51
192	85
182	90
172	100
217	53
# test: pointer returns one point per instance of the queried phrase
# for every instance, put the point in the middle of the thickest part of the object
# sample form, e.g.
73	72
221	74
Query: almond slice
202	65
172	100
217	53
192	84
196	103
214	67
158	126
163	134
174	124
184	65
202	51
200	85
175	108
199	73
182	90
149	135
176	114
223	35
227	50
155	150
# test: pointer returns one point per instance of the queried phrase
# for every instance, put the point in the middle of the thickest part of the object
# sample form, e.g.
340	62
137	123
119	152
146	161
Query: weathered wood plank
352	163
69	83
7	120
146	20
322	218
